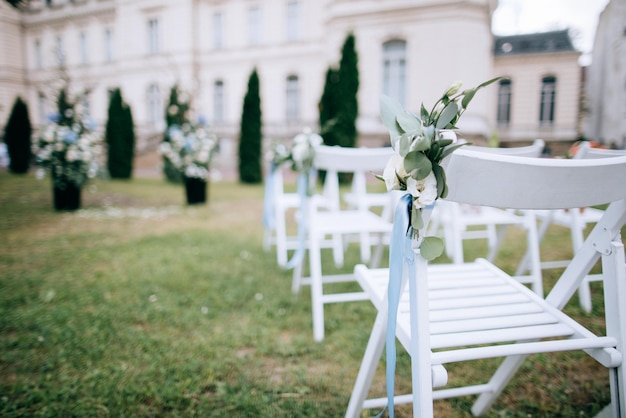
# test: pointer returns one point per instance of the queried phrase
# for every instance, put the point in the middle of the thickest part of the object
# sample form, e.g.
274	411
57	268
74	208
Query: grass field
140	306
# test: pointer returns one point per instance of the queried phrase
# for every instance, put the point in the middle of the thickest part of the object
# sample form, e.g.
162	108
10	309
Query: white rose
393	170
424	191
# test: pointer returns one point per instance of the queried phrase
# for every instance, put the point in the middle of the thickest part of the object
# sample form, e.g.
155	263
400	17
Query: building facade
542	96
409	49
606	79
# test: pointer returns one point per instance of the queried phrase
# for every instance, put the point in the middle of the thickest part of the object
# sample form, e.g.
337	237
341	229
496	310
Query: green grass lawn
138	305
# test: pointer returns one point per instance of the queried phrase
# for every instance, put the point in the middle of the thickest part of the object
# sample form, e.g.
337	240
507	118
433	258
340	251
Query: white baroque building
410	49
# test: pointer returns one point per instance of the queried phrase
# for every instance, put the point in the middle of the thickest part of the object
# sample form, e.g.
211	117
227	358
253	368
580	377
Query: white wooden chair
576	220
278	206
332	220
470	311
461	222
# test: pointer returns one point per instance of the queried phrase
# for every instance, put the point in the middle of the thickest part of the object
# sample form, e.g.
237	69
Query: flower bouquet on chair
190	149
71	149
421	143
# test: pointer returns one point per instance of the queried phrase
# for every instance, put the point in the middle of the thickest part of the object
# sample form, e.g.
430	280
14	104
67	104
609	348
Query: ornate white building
410	49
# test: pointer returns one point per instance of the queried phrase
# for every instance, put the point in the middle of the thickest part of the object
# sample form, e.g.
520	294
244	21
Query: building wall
606	82
11	61
526	72
446	41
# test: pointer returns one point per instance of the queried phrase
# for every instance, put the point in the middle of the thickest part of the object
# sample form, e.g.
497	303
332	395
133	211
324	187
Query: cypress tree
120	138
347	90
175	114
250	141
17	135
328	105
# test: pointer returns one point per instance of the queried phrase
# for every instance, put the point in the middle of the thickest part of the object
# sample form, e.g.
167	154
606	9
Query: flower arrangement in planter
71	148
190	150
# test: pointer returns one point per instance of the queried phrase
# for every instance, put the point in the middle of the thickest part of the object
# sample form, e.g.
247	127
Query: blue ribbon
303	194
400	251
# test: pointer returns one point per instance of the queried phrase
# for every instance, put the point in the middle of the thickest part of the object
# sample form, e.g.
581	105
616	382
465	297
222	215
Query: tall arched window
394	69
218	101
292	99
155	105
504	102
548	100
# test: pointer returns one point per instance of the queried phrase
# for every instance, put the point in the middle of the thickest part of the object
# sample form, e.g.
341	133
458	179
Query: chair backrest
350	160
359	161
488	179
586	151
533	150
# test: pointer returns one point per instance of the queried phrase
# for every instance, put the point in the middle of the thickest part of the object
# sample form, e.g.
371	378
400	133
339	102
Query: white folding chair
278	206
462	222
576	220
332	220
470	311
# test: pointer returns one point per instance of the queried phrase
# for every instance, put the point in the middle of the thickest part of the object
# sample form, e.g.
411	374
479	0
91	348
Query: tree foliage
348	89
120	137
338	107
250	141
328	107
17	135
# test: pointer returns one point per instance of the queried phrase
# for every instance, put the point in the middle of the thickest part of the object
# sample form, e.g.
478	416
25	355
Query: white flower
424	191
393	170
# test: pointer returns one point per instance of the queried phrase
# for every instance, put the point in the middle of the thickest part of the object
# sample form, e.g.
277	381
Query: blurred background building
409	49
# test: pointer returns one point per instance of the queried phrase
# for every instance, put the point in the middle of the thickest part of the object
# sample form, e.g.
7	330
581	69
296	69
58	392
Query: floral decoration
421	143
301	153
190	149
70	147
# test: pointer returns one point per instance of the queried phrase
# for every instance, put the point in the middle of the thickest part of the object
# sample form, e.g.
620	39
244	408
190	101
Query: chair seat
477	303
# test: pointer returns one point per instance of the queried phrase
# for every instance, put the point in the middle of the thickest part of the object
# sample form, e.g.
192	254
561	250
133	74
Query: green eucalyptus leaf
449	150
468	95
447	114
417	222
389	109
417	164
420	143
440	175
408	122
431	248
444	142
404	144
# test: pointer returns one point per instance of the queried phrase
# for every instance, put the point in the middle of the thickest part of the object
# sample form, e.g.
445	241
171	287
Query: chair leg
371	358
614	265
317	303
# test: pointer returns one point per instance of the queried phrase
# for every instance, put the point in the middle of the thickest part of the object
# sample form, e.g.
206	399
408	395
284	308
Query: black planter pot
66	198
195	190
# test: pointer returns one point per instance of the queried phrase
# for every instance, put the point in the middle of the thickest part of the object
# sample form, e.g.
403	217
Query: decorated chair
462	312
332	219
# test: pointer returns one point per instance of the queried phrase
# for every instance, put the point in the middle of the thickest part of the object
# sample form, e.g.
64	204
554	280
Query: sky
527	16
